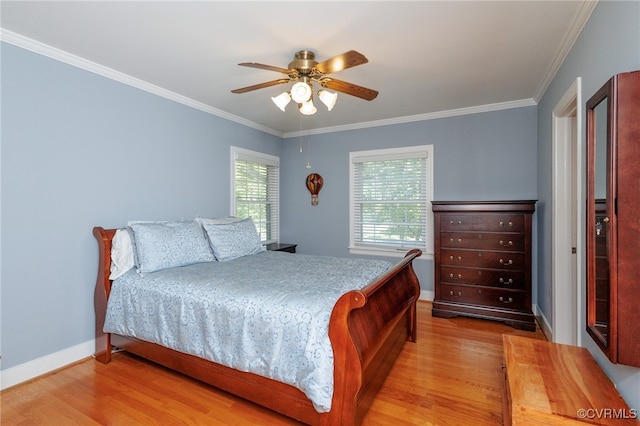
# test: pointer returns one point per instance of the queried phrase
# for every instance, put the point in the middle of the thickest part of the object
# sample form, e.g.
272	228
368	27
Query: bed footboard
368	329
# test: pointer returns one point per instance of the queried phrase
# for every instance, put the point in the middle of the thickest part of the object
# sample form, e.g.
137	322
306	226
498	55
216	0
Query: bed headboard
101	292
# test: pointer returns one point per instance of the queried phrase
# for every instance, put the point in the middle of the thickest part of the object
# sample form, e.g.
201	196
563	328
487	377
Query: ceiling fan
305	70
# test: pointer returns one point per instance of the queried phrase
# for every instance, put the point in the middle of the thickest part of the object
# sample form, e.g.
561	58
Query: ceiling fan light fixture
301	92
307	108
282	100
328	98
305	74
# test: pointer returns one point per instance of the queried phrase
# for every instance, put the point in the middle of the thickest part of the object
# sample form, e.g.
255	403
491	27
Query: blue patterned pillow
232	240
163	245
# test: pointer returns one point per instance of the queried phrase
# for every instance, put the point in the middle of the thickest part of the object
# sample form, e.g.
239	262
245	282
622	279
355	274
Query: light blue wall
487	156
609	44
80	150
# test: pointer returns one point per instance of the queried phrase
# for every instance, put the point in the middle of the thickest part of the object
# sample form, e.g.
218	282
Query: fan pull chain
300	133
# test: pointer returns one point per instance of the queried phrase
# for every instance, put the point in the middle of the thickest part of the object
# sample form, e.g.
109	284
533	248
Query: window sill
369	251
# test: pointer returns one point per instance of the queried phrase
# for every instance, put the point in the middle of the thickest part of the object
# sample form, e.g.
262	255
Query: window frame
373	249
243	154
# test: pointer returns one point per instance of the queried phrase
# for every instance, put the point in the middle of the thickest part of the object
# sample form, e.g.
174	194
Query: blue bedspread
267	313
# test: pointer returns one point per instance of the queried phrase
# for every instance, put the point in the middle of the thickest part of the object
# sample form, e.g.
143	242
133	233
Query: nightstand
289	248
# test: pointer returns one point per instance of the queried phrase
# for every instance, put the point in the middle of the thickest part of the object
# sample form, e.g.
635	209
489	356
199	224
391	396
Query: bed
366	327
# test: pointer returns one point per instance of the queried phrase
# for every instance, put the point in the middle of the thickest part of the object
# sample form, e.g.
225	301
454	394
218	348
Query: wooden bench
552	384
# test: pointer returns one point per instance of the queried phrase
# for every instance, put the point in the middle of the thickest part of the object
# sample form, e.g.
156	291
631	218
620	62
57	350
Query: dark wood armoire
613	218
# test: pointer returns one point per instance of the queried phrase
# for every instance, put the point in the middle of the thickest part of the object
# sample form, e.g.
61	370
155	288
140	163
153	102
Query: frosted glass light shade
307	108
301	92
282	100
328	98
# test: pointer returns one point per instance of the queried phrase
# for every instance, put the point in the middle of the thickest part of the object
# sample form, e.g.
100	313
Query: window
255	191
391	194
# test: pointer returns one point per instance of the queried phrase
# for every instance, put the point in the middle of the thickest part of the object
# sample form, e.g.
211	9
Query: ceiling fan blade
261	85
341	62
349	89
266	67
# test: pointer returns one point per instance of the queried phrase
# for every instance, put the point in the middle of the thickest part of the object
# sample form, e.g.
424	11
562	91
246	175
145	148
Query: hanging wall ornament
314	185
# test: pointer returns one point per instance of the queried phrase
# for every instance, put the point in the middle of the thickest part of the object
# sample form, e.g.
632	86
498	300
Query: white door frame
567	211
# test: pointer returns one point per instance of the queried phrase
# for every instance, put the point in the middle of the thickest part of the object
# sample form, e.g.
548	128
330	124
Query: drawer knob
507	282
455	276
458	241
503	224
453	293
507	244
459	258
455	222
506	262
503	300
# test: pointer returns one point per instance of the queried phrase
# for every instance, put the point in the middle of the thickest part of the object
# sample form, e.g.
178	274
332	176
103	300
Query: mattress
266	313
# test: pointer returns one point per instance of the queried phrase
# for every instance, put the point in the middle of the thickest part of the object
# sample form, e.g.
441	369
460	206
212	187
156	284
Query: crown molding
76	61
79	62
570	38
419	117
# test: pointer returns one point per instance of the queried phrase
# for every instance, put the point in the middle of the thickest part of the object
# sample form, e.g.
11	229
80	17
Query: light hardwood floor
451	376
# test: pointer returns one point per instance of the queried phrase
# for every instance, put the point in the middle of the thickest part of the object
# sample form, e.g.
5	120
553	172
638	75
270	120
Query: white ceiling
426	58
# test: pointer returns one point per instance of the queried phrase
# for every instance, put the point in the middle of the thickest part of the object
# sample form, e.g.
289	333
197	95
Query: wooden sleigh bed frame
367	330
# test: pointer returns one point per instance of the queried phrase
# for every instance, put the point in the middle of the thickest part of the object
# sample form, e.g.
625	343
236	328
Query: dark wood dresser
483	261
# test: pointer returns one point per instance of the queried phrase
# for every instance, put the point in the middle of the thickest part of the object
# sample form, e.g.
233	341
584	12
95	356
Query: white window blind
391	199
255	191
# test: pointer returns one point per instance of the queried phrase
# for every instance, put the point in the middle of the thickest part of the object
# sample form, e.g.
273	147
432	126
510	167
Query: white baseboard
544	323
428	295
29	370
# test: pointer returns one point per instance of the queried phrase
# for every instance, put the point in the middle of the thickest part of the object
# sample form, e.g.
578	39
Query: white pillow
121	254
218	220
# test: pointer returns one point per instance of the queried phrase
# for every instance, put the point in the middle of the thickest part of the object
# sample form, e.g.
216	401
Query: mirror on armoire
598	319
613	218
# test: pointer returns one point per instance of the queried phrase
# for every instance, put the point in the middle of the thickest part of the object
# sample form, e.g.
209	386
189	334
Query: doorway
567	243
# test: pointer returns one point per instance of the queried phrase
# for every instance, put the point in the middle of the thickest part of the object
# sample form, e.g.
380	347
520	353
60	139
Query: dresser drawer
482	259
482	222
484	277
495	297
480	240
